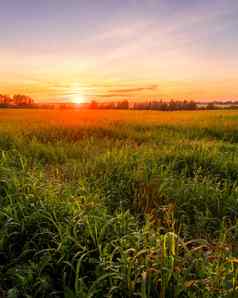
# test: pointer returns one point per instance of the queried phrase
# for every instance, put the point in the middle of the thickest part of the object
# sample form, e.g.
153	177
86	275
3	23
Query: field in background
118	203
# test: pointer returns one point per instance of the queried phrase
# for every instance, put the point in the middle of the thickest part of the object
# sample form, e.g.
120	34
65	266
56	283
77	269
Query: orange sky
60	51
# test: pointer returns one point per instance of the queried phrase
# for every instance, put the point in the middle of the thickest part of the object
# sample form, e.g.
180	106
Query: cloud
132	90
107	95
122	92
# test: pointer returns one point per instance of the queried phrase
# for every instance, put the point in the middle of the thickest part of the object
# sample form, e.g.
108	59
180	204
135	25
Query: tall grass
118	204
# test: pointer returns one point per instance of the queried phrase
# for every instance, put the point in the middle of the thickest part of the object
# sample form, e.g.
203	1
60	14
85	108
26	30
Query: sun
78	98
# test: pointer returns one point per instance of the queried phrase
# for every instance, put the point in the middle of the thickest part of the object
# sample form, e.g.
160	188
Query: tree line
150	105
15	100
172	105
20	100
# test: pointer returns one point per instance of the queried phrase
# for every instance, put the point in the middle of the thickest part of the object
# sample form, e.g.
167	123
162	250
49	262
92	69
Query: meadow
100	203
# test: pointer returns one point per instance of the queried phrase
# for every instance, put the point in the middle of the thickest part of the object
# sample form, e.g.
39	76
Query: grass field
118	203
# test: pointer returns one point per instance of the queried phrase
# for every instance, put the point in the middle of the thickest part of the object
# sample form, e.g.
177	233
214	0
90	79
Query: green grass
118	204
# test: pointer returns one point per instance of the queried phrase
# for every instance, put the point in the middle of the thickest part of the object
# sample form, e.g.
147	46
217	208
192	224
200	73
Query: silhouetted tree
19	99
5	99
211	106
123	105
93	105
16	100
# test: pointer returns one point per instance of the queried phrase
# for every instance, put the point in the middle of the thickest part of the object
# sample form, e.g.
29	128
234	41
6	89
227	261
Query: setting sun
78	98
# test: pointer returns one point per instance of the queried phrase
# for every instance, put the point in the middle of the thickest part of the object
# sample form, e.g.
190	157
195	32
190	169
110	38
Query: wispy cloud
133	90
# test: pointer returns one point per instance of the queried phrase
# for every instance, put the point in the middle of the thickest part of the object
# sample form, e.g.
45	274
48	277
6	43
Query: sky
108	50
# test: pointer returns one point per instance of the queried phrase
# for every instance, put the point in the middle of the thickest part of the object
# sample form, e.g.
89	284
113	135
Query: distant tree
172	106
123	105
107	105
192	105
211	106
189	105
5	99
93	105
16	100
20	99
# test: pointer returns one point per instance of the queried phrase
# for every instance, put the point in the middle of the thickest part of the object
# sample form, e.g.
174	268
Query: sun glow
78	98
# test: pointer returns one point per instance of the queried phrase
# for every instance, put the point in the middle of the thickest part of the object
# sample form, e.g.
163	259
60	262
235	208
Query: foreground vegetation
118	204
